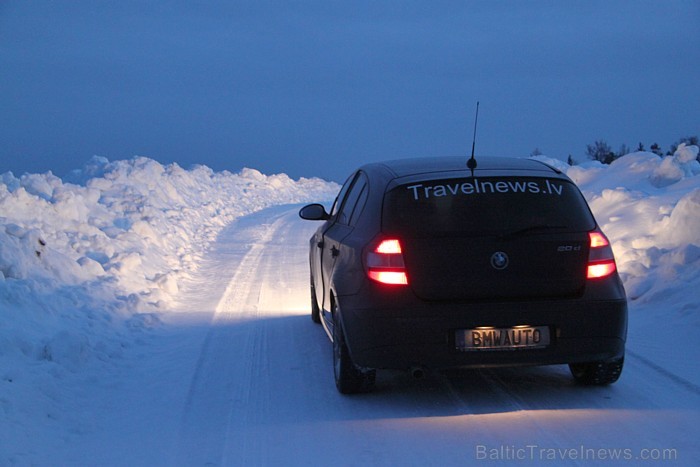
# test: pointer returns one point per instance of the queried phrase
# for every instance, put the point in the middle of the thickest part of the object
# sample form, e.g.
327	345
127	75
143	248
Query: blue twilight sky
316	88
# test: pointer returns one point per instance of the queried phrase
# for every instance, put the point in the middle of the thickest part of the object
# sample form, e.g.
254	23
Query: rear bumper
404	332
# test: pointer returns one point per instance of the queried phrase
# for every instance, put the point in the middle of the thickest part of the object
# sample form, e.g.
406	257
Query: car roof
399	171
427	165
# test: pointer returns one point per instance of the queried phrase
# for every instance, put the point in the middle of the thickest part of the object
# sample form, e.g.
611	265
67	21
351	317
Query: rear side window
341	196
485	206
355	201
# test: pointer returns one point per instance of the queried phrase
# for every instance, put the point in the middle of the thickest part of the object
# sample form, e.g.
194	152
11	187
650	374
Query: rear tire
349	379
315	310
597	373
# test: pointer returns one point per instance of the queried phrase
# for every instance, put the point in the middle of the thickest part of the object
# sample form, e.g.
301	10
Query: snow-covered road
241	376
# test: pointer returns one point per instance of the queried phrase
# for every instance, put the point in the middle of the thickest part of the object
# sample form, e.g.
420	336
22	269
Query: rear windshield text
475	186
484	205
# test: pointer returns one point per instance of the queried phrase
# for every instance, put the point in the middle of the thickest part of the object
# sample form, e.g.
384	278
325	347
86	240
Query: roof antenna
471	163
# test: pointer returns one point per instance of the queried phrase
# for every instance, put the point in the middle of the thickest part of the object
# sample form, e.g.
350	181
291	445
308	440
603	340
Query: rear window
483	206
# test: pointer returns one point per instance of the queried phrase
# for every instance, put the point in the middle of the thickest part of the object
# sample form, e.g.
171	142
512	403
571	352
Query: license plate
517	337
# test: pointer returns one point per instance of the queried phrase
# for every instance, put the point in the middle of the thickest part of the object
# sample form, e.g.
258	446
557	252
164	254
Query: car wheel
349	379
597	373
315	310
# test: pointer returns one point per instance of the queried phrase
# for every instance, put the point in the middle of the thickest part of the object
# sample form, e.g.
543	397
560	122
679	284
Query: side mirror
314	212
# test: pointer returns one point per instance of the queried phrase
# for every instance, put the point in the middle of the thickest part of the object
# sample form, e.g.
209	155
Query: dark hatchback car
423	264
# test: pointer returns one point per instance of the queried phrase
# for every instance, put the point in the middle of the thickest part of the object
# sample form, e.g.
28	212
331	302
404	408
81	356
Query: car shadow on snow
298	357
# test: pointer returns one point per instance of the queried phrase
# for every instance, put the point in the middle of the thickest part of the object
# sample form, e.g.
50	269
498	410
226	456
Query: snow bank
650	209
85	264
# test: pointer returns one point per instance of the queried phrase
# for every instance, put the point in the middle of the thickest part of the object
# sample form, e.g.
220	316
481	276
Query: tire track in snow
232	357
506	399
676	379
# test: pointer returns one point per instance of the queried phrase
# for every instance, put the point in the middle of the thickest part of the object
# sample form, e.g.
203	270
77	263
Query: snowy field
151	315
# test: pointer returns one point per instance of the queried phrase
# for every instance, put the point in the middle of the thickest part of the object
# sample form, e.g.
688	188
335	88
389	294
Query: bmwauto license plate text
487	338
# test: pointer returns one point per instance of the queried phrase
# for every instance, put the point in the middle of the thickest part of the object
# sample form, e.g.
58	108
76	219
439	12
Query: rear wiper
533	228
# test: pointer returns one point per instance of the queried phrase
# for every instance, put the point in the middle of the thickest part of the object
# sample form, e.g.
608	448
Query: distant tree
600	151
536	152
623	151
656	149
688	140
691	141
640	148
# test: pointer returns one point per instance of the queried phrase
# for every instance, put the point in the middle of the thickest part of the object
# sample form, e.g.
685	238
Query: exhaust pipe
417	372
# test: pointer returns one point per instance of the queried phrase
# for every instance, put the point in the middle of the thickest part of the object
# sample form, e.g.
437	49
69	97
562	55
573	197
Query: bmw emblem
499	260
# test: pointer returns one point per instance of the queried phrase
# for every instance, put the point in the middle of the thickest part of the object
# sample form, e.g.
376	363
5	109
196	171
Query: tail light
385	263
601	262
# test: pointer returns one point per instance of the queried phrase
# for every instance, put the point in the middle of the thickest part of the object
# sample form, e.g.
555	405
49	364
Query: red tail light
385	263
598	270
389	247
598	239
601	262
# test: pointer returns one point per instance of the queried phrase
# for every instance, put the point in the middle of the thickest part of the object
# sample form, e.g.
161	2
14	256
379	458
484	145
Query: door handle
320	244
334	251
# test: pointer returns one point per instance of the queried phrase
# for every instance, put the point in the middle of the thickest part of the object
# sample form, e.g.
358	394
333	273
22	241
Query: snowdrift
86	262
650	208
